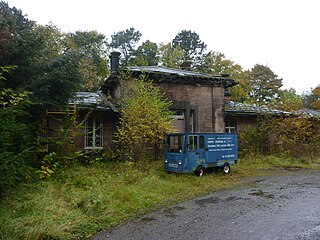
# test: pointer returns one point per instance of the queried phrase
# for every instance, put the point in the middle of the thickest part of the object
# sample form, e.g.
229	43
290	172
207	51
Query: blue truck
195	152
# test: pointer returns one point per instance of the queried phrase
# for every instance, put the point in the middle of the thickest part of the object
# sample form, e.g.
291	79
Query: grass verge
82	200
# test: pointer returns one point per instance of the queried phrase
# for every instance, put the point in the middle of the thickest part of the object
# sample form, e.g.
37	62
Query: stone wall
207	102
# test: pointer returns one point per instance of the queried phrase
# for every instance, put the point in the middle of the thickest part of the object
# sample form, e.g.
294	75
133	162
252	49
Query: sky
281	34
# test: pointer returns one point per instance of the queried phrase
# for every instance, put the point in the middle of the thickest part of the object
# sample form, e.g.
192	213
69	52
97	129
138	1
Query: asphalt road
268	207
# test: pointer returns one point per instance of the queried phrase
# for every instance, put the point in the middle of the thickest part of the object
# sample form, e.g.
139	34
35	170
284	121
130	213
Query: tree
146	55
16	138
145	119
265	85
17	44
45	66
241	92
192	48
92	50
315	98
171	57
55	70
125	42
217	63
288	100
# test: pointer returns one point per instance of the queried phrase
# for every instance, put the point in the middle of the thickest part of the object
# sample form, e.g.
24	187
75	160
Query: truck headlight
180	163
166	161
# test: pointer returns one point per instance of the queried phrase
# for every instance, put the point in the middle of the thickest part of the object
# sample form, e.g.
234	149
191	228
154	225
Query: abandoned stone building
198	102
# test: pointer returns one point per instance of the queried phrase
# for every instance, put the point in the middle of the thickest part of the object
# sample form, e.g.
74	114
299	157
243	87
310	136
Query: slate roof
97	100
306	112
183	74
252	109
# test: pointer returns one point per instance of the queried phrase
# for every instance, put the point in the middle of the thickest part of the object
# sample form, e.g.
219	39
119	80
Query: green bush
295	137
15	147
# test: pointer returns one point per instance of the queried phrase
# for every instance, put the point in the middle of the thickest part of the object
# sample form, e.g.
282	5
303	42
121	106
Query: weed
80	200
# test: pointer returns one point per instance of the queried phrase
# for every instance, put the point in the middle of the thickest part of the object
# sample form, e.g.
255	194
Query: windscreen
175	144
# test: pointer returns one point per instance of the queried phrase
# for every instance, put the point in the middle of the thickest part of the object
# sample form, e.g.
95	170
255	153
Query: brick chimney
114	61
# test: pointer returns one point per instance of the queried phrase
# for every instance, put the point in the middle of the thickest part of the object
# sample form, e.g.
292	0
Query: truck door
202	151
193	152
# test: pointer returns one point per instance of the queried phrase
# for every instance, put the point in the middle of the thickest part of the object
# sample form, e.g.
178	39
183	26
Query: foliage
217	63
288	100
255	139
295	137
57	147
307	98
192	48
170	56
45	66
18	46
265	85
315	98
145	55
125	42
145	118
55	81
83	199
91	48
48	165
299	137
15	137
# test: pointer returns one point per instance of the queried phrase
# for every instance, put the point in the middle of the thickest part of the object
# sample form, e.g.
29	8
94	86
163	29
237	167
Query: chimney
227	96
114	61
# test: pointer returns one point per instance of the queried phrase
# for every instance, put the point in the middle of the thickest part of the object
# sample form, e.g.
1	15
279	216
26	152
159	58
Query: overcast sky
282	34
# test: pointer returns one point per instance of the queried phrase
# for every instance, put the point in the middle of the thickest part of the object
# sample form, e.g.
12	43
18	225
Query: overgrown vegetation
16	137
145	119
285	136
42	67
81	200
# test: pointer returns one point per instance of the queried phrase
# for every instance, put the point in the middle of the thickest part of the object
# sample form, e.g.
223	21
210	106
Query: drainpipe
213	110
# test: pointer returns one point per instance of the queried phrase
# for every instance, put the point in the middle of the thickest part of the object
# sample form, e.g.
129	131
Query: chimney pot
114	61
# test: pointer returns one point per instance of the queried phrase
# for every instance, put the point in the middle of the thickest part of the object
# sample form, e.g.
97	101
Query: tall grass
82	200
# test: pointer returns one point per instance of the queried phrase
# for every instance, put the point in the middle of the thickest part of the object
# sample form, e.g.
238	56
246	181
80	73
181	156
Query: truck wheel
226	169
199	171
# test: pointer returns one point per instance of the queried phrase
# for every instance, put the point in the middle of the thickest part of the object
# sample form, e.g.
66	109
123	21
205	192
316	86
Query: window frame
94	134
231	125
195	145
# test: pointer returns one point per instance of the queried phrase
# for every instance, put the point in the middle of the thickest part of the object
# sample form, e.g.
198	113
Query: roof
97	100
183	74
252	109
306	112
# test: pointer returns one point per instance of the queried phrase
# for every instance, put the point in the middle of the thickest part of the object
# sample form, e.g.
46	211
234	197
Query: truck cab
195	152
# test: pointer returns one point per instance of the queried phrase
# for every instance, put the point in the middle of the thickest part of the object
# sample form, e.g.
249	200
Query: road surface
268	207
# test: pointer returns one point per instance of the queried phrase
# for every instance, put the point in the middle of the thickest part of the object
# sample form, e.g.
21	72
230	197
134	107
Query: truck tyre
200	171
226	169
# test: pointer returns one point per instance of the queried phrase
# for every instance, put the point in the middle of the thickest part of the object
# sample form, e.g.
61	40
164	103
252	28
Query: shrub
15	147
145	119
291	136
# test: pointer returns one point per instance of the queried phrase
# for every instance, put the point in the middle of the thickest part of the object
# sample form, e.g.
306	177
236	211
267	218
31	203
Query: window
201	142
175	144
231	126
178	114
94	133
193	143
